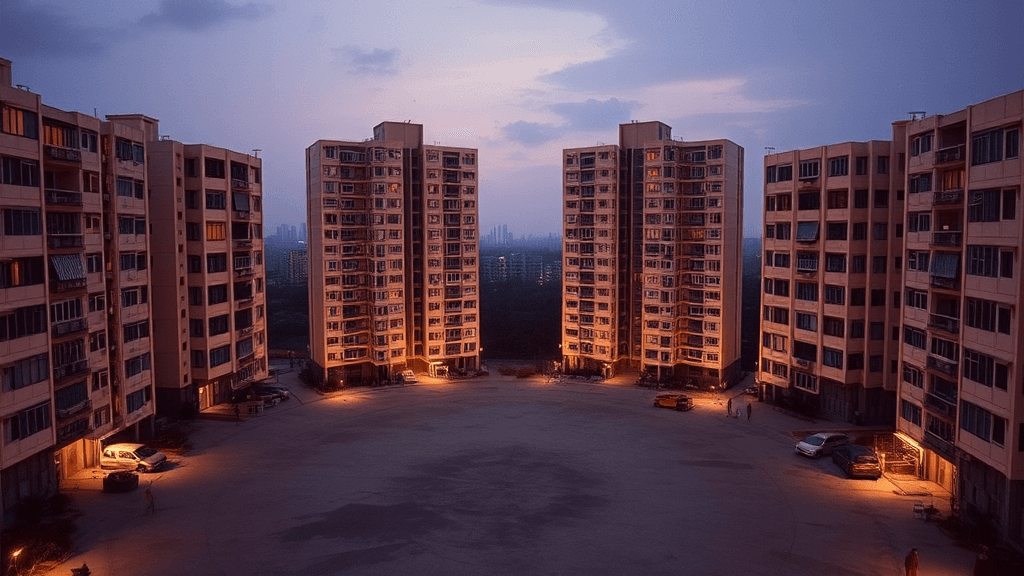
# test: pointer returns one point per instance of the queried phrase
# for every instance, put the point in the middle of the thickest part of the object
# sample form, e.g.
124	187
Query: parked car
750	391
408	376
821	444
132	457
857	461
680	402
279	392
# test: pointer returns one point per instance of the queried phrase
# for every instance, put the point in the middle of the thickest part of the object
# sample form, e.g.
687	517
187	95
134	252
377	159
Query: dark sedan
857	461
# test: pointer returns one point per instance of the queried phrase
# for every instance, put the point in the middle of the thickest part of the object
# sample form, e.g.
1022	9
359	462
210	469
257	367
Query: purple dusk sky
520	80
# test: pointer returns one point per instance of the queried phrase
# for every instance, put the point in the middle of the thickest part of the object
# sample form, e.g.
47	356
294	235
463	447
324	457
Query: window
881	198
991	205
859	264
809	201
137	365
219	325
835	231
25	372
138	399
921	144
861	164
215	200
919	222
214	168
914	337
805	321
1012	143
835	294
27	423
878	297
880	231
807	232
976	420
22	222
785	173
860	230
220	355
839	166
807	291
134	296
989	261
19	122
987	147
809	169
910	412
917	299
18	172
805	382
835	262
216	231
838	199
832	357
136	331
217	294
883	164
833	326
217	262
987	315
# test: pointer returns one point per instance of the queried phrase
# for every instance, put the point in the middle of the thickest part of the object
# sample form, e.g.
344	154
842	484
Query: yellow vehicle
680	402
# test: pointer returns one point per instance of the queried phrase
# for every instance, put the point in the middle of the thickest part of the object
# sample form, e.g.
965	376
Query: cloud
376	62
532	133
594	115
198	15
44	30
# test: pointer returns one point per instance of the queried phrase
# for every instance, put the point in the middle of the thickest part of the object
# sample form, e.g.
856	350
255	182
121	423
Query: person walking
728	408
983	563
750	408
150	503
238	414
911	562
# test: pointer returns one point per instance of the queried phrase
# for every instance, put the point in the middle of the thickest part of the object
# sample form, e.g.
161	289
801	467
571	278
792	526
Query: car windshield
814	440
866	459
144	452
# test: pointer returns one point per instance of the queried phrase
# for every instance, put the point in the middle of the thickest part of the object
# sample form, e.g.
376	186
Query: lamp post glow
14	560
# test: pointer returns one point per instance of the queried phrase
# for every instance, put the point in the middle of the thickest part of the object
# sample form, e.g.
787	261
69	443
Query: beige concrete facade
209	277
831	270
393	255
652	262
75	352
961	411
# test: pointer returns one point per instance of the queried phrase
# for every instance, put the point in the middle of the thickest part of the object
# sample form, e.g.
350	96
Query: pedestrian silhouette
750	409
728	407
150	504
983	563
238	413
911	562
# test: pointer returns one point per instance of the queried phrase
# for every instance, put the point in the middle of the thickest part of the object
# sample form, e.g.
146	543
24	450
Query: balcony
943	365
804	363
67	285
69	370
240	184
62	154
244	272
63	198
940	405
947	323
940	445
69	327
949	239
945	283
65	413
950	154
243	243
948	197
65	240
73	431
243	302
241	215
243	332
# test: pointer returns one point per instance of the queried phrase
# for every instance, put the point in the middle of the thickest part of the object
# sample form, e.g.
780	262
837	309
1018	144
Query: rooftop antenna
769	150
256	152
916	115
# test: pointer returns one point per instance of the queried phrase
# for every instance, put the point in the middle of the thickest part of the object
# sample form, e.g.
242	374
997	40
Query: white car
132	457
408	376
821	444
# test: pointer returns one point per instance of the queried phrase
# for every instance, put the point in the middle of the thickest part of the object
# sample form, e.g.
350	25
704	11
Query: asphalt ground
500	475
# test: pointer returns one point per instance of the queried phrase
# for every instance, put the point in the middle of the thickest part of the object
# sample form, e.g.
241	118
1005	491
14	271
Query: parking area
508	476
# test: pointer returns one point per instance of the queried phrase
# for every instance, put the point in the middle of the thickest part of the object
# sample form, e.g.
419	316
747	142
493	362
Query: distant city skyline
518	79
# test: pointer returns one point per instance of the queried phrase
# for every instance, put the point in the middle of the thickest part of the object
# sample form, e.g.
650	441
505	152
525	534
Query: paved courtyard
504	476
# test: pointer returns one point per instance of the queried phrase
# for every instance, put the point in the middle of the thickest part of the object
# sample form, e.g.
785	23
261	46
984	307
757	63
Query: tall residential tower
652	262
393	255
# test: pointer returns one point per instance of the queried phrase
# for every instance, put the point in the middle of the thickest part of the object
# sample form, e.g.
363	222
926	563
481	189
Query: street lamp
14	560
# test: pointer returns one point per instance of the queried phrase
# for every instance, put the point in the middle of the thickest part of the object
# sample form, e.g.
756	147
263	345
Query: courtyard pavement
499	475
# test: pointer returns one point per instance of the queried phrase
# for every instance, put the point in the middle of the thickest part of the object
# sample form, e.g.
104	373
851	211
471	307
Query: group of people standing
739	410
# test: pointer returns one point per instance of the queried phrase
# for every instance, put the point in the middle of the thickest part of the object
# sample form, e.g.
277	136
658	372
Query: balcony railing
65	240
241	214
63	154
243	332
948	197
943	365
947	283
73	430
63	198
243	243
952	238
940	405
803	362
950	154
72	369
239	184
243	272
69	327
243	302
63	413
947	323
939	445
67	285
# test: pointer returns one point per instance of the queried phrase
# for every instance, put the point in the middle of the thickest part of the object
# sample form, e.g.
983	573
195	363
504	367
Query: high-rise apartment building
961	409
652	262
75	351
831	271
393	255
209	304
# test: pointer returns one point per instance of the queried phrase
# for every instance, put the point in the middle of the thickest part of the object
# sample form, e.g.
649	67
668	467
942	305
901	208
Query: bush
121	481
526	372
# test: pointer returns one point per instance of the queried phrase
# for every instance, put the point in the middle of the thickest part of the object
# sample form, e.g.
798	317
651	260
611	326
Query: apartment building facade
393	256
209	276
831	272
961	394
74	284
652	262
